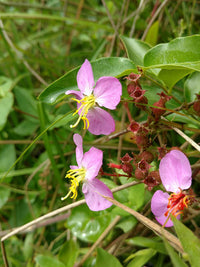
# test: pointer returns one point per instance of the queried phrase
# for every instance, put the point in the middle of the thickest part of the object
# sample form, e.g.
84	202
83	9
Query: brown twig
174	241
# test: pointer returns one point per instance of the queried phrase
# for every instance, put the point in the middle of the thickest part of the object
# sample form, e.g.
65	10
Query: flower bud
139	174
147	156
127	168
157	112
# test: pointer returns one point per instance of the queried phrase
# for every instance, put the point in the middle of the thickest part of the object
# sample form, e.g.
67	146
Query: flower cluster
90	98
174	170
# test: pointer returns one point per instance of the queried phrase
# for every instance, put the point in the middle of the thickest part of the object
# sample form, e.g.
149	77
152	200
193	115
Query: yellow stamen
76	176
86	103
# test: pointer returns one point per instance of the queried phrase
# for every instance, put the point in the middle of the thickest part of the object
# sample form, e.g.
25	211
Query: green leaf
4	195
26	103
175	59
192	86
154	243
141	257
175	258
127	223
152	35
135	49
116	67
68	253
47	261
136	196
8	157
26	127
6	104
5	86
28	246
190	243
106	259
88	225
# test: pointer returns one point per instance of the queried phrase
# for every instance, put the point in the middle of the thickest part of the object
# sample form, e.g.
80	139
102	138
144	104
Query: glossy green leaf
106	259
154	243
190	243
141	257
88	225
47	261
68	253
152	35
175	59
135	49
175	258
192	86
116	67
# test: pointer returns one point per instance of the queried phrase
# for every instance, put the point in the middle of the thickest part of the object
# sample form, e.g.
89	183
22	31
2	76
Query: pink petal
101	122
162	220
85	79
78	140
159	203
92	162
92	190
77	94
108	91
175	171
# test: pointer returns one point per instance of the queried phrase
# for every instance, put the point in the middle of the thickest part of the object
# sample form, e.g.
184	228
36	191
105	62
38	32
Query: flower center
85	104
177	203
76	176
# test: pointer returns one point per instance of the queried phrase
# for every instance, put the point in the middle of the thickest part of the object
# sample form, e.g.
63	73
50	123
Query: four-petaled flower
88	167
176	175
106	93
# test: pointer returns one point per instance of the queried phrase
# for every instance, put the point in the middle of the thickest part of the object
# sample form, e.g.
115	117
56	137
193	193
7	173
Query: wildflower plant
142	102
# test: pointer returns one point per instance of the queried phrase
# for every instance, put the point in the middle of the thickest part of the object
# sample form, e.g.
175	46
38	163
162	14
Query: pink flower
88	167
176	175
106	93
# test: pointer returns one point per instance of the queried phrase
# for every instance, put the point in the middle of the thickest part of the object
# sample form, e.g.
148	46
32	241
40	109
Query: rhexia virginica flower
88	167
106	93
176	175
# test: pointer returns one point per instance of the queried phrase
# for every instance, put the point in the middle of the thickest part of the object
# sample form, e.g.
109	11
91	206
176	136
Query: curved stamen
86	103
76	176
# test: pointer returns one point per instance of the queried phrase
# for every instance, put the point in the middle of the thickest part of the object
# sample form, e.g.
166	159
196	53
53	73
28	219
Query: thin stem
174	241
58	211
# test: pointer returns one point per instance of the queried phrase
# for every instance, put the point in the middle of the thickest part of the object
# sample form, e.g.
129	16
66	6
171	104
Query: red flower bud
157	112
127	168
126	159
139	174
147	156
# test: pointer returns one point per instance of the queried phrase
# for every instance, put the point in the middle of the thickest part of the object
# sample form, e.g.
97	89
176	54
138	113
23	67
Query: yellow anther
86	103
76	176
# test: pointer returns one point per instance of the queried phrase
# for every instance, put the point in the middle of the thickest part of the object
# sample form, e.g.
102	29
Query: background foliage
42	45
